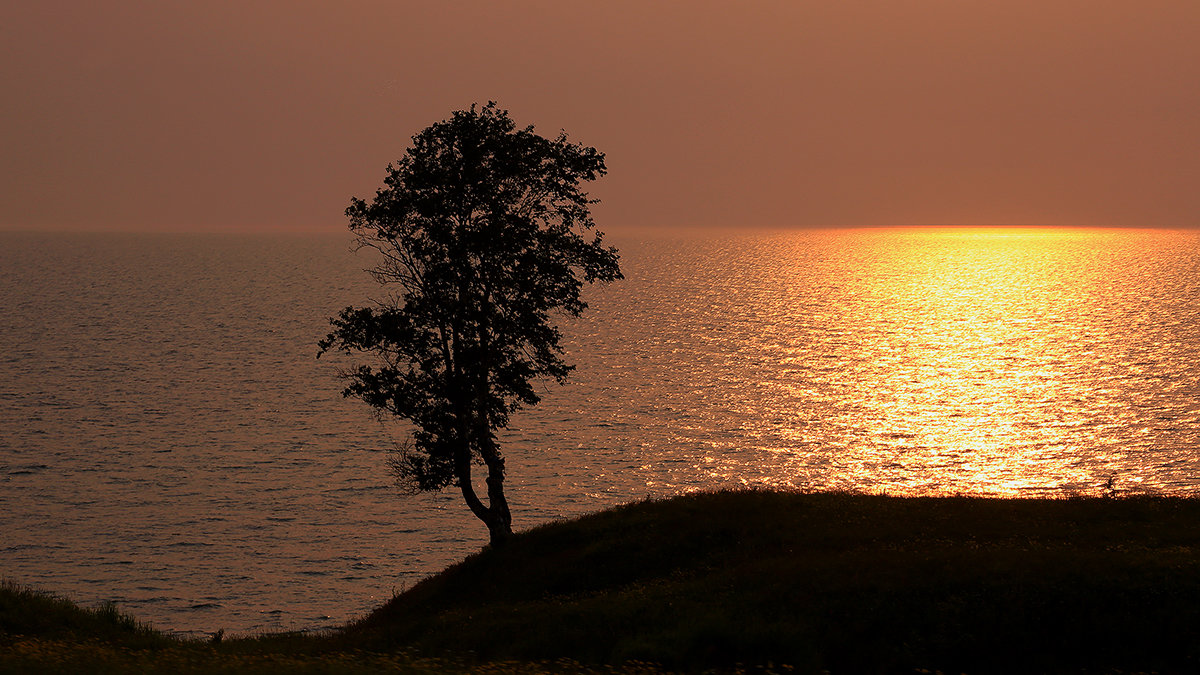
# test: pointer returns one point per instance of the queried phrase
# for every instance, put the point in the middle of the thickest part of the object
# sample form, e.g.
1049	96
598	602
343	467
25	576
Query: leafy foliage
481	230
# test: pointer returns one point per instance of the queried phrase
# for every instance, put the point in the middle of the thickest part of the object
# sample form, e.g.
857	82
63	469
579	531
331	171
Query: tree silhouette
481	230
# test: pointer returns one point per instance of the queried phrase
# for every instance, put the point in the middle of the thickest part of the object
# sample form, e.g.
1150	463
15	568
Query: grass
839	582
38	614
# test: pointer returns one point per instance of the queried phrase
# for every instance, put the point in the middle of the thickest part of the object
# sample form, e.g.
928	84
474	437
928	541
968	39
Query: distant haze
221	115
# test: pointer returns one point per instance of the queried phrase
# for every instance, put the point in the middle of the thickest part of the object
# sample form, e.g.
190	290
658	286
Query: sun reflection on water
919	361
976	319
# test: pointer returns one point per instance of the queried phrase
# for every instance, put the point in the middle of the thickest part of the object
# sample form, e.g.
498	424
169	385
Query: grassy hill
838	582
849	583
33	613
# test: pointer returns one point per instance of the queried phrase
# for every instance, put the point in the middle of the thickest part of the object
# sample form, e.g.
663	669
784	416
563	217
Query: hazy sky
252	114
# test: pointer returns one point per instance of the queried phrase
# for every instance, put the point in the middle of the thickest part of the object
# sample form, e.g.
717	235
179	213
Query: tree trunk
499	519
496	514
500	532
501	526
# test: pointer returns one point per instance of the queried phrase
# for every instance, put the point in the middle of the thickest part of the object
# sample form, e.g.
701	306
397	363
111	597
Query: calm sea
169	441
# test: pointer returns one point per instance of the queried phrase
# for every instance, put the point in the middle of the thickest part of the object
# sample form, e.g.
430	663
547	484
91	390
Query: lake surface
169	441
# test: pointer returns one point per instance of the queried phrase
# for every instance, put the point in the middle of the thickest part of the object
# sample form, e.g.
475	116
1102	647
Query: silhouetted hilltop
838	582
848	583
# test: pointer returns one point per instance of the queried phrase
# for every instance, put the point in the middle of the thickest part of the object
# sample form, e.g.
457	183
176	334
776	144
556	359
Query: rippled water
167	439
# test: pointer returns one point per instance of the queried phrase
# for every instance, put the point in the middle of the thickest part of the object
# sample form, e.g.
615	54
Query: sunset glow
265	115
965	360
836	336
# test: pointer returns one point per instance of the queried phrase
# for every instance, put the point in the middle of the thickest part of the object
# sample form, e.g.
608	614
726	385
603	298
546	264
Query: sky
270	115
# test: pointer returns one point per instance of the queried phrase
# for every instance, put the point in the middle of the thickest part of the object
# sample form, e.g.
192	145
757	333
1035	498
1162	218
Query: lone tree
483	233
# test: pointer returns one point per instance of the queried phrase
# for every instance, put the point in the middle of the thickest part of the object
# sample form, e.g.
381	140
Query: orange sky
219	115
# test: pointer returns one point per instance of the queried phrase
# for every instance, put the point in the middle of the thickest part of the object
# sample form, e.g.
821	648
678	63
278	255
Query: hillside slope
849	583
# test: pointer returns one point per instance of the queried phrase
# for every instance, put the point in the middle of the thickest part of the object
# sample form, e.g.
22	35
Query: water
168	441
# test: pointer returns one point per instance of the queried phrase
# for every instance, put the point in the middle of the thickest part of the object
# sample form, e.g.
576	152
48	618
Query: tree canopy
485	237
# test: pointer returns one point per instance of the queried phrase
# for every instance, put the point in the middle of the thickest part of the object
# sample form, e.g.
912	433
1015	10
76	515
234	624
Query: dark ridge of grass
31	656
841	582
34	613
44	633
